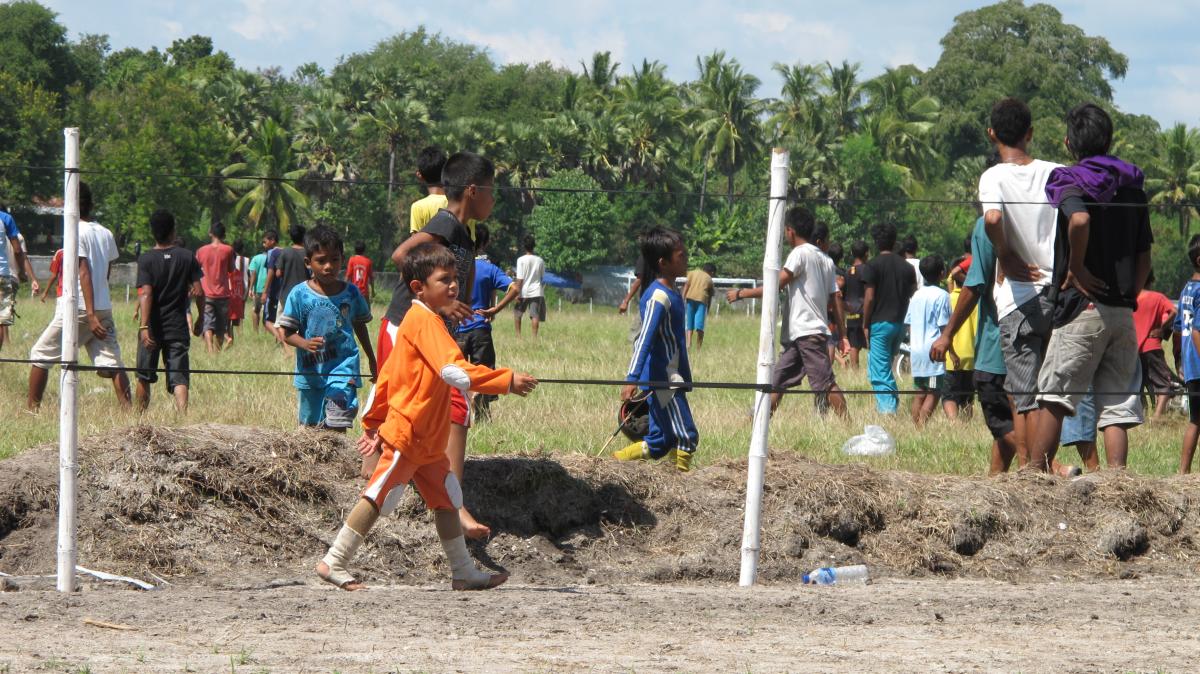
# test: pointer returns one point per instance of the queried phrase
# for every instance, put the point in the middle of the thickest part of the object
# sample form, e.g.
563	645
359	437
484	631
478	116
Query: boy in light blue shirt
1188	338
321	318
928	313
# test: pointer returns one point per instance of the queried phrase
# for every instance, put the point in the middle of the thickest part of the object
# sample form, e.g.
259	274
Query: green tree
1176	181
1010	49
34	47
573	229
29	134
727	115
261	183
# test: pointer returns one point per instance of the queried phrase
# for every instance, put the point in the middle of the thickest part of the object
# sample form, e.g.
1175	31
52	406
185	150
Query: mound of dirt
210	500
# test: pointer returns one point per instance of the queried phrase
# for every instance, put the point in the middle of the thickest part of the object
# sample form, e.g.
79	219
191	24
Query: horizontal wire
647	384
577	190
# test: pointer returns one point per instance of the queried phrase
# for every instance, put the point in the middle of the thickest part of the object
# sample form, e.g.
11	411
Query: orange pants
434	481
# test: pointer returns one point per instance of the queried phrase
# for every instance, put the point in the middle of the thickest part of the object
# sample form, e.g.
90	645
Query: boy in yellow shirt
409	423
959	394
429	172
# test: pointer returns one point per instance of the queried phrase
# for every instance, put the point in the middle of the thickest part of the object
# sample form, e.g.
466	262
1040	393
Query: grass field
574	343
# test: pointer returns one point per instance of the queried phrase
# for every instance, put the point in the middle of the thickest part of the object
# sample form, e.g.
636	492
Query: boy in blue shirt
474	337
321	318
1189	338
660	354
928	312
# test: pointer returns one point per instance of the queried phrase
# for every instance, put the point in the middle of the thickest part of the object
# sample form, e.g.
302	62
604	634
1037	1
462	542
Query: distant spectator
55	281
475	336
238	284
1153	319
14	270
530	271
361	272
289	269
1189	357
927	315
890	282
908	248
257	283
217	260
430	162
698	293
852	297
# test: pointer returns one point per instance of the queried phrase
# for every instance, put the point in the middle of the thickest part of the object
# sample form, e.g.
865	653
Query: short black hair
85	200
271	235
909	245
1011	120
836	252
217	229
859	249
322	237
424	259
297	233
429	164
360	247
800	220
967	244
162	226
933	268
884	235
709	268
463	169
1089	130
820	233
483	235
1194	251
528	243
238	247
656	244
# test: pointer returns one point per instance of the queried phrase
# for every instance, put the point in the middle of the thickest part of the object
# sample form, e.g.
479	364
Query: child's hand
456	312
628	391
731	296
523	384
370	443
313	344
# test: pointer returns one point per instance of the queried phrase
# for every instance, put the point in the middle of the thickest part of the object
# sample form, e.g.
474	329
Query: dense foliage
339	147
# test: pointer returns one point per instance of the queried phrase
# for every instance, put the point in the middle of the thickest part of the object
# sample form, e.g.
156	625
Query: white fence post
67	428
757	463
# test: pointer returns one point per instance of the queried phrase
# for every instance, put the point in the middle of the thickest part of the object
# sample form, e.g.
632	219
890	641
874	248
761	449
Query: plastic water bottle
827	575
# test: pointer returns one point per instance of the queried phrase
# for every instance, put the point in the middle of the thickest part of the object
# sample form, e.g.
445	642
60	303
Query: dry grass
558	419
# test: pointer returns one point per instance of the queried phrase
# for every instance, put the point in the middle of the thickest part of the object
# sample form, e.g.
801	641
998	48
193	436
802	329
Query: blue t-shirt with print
1189	300
10	232
488	279
312	314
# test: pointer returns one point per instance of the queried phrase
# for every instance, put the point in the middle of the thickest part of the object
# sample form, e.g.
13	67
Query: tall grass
574	343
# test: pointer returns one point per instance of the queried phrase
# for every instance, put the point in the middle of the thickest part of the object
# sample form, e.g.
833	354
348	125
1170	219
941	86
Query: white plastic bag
873	442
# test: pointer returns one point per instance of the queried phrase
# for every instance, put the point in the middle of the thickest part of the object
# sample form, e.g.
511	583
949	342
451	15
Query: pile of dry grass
210	500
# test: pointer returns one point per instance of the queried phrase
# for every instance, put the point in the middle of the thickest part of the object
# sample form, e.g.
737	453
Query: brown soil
202	500
616	567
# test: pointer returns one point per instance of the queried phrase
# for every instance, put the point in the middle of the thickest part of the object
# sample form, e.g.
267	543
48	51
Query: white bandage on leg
340	553
392	500
454	491
462	567
456	377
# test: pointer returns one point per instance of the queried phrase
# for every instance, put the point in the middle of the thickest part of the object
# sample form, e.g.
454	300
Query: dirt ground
616	567
1144	625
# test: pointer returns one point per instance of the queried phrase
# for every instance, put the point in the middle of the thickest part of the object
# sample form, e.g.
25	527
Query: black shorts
959	387
477	346
174	360
1156	376
270	309
856	335
997	411
1193	389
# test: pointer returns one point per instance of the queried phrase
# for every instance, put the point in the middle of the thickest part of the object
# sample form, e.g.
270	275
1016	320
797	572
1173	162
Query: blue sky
1163	78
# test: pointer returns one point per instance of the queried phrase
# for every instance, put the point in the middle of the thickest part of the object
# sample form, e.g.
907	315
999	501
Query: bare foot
347	583
471	527
493	582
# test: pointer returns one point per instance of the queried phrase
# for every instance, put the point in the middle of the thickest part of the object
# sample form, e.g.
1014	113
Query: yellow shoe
683	460
671	455
633	452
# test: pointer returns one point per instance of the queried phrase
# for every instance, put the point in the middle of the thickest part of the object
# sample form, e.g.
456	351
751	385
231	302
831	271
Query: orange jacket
411	409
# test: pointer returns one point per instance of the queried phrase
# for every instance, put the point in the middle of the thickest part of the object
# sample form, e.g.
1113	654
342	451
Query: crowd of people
1046	319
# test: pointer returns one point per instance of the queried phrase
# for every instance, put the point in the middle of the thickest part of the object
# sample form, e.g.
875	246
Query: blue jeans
885	342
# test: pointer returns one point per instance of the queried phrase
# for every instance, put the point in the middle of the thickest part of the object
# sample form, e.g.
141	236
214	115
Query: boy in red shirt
1154	314
217	261
360	272
409	422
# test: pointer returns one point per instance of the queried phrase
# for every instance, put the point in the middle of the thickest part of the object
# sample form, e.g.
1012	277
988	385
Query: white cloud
276	20
173	28
536	46
766	22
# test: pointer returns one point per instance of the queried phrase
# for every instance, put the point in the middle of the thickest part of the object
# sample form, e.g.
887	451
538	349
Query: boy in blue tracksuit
660	354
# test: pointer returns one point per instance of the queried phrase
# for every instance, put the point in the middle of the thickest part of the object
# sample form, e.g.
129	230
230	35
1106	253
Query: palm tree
398	119
602	73
260	183
650	117
727	129
843	96
795	113
1177	180
322	129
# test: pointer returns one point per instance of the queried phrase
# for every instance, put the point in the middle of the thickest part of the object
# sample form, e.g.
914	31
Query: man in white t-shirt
1022	227
908	248
530	270
810	278
97	331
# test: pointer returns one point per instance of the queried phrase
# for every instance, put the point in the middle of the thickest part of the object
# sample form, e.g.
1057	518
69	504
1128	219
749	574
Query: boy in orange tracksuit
409	423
